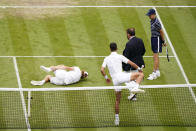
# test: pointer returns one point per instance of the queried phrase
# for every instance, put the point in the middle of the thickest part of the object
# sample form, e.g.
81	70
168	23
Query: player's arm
105	75
103	71
162	37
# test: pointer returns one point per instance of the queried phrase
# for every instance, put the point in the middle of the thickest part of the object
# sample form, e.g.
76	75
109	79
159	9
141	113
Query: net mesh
11	111
95	108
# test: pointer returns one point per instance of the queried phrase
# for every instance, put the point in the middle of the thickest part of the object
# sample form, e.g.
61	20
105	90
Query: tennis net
161	105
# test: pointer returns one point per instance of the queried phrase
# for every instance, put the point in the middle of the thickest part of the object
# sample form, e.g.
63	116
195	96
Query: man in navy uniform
157	41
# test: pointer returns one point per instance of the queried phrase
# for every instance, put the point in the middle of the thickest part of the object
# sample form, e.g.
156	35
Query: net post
29	103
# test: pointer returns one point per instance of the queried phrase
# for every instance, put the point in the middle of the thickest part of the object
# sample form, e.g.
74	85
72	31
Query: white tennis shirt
69	77
73	76
114	63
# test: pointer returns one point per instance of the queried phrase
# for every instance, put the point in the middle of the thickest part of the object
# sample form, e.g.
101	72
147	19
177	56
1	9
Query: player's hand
164	44
140	69
108	80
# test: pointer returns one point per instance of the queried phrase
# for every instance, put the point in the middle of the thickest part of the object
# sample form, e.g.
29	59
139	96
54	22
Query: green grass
88	31
182	37
8	73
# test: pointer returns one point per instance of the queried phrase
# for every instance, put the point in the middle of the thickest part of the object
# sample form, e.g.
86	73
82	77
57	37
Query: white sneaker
117	121
46	69
132	97
37	83
152	76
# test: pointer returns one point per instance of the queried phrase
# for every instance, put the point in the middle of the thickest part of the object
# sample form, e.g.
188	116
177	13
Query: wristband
106	77
139	69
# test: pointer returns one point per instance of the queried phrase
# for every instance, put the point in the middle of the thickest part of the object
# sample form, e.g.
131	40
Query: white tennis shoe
46	69
154	75
132	97
37	83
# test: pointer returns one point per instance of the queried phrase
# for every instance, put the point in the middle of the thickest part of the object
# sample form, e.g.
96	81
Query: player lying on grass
64	75
114	64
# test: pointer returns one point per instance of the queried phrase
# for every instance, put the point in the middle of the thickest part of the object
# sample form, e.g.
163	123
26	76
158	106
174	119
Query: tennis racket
167	54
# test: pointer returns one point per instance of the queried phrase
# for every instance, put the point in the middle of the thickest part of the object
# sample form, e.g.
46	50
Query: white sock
137	85
48	68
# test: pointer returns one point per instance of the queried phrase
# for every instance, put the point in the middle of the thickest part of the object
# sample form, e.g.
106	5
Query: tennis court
34	36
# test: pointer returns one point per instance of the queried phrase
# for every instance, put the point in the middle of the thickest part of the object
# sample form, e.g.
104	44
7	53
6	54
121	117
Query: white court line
176	56
118	6
69	56
21	94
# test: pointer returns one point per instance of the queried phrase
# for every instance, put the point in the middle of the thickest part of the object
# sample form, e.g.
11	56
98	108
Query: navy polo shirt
155	28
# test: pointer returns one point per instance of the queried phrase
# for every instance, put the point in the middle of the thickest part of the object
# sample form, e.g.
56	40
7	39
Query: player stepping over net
64	75
114	64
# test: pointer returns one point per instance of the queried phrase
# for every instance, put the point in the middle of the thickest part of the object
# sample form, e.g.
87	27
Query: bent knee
136	74
141	74
49	76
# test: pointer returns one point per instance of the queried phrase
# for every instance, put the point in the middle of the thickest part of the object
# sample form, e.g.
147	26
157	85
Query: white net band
96	87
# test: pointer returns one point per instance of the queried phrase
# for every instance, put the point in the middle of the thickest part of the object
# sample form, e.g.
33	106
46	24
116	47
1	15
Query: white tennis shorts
121	78
59	78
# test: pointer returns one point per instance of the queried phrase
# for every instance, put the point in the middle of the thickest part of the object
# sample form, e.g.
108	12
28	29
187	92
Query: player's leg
156	64
54	68
42	82
136	78
51	68
157	71
156	48
58	67
117	106
132	96
156	61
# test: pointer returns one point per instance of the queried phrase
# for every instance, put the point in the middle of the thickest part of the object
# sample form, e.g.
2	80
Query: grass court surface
87	32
